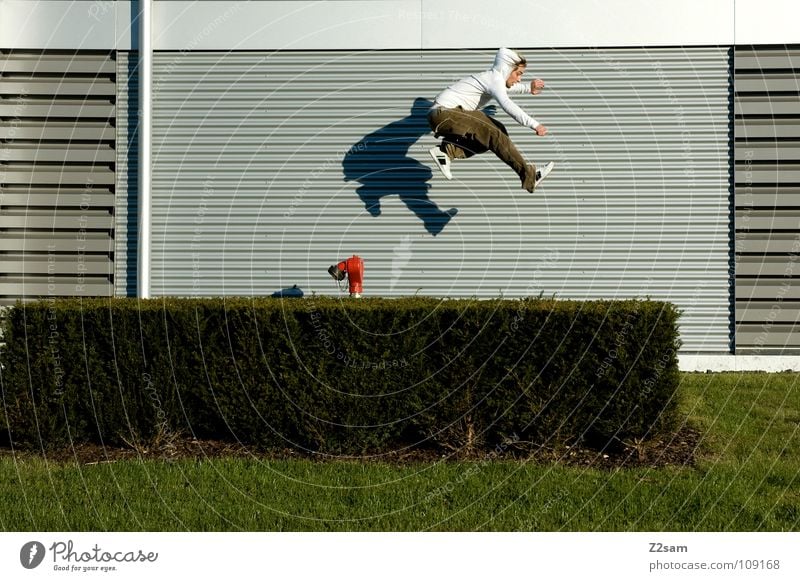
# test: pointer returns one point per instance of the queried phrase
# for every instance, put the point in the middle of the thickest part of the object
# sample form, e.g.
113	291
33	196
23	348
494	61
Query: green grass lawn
747	478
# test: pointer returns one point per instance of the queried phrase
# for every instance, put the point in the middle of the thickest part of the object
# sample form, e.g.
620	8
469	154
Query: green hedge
339	376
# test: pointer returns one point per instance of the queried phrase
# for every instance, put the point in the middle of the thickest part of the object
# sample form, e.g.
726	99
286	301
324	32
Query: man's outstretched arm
534	88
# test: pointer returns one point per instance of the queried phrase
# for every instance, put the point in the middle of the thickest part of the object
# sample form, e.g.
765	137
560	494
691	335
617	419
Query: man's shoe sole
545	172
436	161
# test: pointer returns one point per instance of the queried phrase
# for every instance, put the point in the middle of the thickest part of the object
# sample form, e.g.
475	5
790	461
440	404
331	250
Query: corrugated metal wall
57	160
268	167
767	108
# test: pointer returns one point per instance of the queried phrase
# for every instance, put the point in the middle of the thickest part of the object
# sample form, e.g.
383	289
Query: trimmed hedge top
339	376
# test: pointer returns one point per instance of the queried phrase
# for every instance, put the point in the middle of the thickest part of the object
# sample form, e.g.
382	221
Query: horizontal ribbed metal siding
57	162
265	164
767	109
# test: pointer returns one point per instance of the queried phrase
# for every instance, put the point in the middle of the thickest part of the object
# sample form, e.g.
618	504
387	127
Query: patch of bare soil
677	449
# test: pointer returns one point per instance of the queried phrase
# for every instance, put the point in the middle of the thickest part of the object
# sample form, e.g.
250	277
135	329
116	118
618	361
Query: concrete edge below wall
716	363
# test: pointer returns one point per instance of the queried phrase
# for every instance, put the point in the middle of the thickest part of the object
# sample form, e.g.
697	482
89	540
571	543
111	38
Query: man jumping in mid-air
466	131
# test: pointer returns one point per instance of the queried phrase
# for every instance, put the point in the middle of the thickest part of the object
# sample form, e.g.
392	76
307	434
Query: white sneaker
542	173
441	160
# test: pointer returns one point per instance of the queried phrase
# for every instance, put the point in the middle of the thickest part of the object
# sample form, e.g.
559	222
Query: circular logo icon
31	555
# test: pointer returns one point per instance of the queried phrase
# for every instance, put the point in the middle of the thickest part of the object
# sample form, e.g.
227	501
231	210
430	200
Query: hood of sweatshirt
504	61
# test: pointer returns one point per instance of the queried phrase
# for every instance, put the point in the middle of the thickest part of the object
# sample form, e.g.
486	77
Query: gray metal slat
754	350
768	289
66	64
53	264
767	82
768	220
57	221
67	175
98	87
767	59
776	266
778	151
767	243
766	106
56	110
750	196
760	313
51	152
769	174
27	242
775	336
50	131
67	190
35	212
761	128
77	287
90	199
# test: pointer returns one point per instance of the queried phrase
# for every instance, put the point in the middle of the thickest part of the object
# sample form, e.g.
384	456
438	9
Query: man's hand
536	86
541	130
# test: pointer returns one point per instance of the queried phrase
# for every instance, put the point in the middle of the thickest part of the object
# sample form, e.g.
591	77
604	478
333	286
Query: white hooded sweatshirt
473	92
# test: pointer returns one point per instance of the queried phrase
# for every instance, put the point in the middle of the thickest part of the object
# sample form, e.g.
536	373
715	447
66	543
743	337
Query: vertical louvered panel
767	109
268	167
127	212
57	160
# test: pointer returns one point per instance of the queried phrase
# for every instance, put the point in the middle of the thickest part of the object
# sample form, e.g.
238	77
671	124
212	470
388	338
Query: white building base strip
770	363
369	556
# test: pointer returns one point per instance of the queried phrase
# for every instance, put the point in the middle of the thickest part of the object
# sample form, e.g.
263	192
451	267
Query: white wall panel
60	24
398	24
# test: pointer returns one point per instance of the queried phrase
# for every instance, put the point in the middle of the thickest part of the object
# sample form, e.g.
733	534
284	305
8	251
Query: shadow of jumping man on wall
381	164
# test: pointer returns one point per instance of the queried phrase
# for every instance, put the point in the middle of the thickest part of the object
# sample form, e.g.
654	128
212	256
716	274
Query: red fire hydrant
353	268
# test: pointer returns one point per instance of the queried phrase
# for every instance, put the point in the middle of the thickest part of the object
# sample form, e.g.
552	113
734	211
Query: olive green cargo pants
468	133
